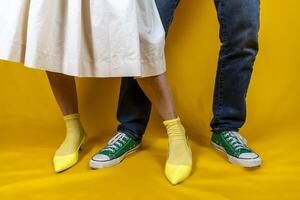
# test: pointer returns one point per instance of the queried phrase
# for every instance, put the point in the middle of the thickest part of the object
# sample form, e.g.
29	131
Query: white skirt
85	38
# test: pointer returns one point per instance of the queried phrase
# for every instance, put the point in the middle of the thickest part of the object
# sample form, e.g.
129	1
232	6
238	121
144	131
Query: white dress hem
104	69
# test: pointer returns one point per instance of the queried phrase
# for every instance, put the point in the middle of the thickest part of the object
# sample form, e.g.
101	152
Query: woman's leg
64	90
159	93
179	163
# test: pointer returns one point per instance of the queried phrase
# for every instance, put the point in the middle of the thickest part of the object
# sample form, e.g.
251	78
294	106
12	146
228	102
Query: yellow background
31	126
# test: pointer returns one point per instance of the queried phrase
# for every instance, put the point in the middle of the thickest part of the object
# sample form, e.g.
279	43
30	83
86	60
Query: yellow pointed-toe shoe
177	173
62	163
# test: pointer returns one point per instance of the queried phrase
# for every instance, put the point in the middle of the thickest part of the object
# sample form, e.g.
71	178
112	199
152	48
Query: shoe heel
82	142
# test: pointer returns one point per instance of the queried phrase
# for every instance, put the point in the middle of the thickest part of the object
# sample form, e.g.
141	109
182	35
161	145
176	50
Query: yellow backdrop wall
31	127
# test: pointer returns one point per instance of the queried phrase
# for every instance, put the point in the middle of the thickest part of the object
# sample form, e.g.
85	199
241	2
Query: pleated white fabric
85	38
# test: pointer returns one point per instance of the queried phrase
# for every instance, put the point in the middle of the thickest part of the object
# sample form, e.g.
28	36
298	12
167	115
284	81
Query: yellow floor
26	169
31	127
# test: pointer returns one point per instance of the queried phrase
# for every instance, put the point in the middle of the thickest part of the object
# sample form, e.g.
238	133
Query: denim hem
222	129
130	134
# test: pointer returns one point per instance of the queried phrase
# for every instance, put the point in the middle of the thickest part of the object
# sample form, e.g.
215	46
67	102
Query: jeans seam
221	73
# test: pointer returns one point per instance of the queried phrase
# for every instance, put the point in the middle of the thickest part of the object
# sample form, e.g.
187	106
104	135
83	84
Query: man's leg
134	108
239	26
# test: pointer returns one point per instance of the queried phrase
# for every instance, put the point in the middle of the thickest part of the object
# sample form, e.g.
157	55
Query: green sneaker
234	146
116	150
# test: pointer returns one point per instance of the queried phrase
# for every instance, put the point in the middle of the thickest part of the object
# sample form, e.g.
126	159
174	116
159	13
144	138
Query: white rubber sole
99	165
253	162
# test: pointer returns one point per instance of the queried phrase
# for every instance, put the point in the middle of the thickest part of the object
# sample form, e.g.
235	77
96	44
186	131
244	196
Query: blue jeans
239	26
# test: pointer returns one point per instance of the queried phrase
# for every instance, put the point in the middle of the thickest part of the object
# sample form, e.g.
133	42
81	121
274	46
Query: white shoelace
236	140
116	142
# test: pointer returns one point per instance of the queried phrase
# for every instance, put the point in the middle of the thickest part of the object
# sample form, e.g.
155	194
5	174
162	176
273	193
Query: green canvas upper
232	142
118	145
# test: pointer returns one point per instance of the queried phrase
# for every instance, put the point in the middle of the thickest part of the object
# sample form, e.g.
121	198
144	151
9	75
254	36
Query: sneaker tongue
115	138
238	137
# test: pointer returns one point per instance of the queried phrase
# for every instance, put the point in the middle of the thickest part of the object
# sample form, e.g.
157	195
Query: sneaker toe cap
248	156
101	157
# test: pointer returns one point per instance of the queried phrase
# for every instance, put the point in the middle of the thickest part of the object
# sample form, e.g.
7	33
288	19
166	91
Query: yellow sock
74	136
179	163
